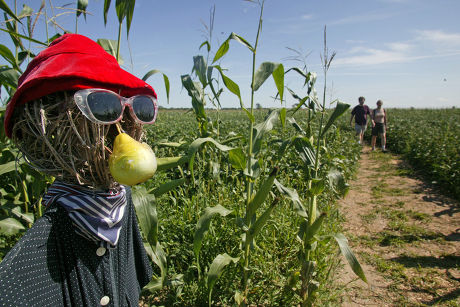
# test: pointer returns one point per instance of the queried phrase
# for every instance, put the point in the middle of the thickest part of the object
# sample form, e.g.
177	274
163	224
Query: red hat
73	62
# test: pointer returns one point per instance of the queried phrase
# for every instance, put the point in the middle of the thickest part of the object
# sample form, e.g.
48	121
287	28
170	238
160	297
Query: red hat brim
73	62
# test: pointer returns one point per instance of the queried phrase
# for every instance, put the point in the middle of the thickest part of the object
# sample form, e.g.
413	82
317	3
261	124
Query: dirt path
405	234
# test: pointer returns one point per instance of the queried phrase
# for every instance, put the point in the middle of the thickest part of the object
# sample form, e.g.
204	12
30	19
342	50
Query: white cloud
292	25
438	36
398	46
371	56
290	20
354	41
426	44
362	18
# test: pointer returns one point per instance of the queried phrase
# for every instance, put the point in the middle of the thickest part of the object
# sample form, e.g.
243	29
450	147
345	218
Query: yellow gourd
131	162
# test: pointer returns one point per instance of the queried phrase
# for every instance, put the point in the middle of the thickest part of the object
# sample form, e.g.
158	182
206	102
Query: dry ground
405	234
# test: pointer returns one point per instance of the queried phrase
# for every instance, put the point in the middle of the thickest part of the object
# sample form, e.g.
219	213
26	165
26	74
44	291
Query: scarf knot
96	215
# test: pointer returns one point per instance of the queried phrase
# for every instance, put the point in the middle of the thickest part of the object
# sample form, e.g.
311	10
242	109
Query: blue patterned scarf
96	215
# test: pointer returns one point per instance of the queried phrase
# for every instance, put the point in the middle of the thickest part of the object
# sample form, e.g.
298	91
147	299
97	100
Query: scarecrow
75	112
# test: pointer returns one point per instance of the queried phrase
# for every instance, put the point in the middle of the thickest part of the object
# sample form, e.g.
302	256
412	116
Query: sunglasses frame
81	96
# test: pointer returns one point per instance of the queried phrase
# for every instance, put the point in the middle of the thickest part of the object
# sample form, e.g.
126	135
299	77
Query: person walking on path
379	125
360	113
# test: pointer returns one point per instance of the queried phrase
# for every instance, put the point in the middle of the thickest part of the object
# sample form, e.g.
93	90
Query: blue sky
404	52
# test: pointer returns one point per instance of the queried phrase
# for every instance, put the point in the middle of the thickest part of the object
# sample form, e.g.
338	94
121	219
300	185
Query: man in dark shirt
360	113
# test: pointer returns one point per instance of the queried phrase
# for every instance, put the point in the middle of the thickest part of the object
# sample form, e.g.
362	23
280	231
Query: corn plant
22	186
248	161
309	148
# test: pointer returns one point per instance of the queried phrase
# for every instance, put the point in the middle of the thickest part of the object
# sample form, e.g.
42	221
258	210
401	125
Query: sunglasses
106	107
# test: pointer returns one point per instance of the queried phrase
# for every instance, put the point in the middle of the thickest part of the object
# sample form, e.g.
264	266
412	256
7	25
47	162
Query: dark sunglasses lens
105	107
144	108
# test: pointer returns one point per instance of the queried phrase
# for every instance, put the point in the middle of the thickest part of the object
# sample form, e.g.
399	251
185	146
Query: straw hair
58	140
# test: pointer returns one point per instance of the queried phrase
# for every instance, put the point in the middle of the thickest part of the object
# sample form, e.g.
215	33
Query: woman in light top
379	125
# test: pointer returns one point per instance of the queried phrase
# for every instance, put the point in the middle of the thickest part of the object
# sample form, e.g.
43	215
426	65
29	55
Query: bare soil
405	234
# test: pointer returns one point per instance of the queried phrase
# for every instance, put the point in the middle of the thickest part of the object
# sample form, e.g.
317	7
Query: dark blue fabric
53	266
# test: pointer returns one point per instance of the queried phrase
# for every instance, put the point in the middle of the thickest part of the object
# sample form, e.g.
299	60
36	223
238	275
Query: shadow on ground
446	297
445	262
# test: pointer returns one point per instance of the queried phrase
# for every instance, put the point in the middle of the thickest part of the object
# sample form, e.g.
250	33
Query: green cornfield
430	140
275	260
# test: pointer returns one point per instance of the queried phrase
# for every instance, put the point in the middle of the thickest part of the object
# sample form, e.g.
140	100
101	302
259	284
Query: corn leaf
81	6
167	86
264	71
235	89
172	144
294	197
207	44
283	112
7	10
168	186
231	86
106	10
308	76
199	67
158	256
301	101
110	46
237	158
241	40
196	144
255	228
278	77
171	162
223	49
165	79
7	167
305	150
195	91
125	9
317	186
27	217
348	254
216	269
261	194
296	126
22	55
203	225
11	29
340	108
8	56
10	226
24	37
146	213
254	169
154	285
313	229
262	128
282	149
337	182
